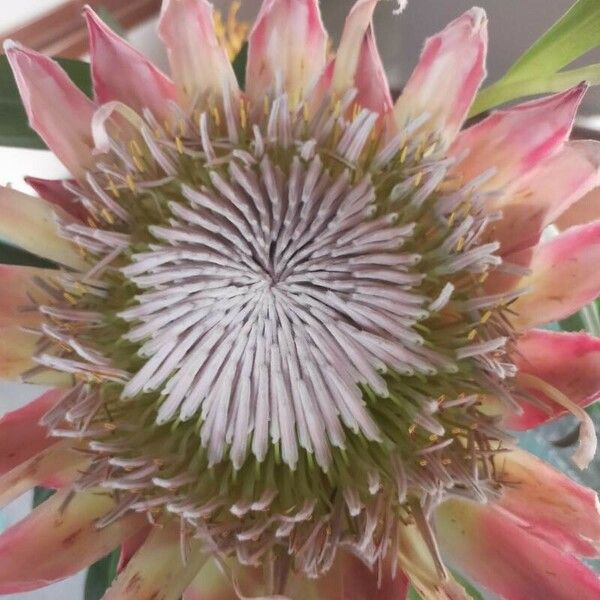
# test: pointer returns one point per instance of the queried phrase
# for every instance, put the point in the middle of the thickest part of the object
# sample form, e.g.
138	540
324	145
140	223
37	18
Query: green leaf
10	255
239	65
573	323
469	587
14	128
101	575
412	594
537	70
41	494
574	34
508	89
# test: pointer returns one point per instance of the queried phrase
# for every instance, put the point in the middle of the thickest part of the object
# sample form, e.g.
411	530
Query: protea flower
294	325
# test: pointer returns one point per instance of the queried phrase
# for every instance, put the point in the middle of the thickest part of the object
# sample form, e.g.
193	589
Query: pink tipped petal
570	362
583	211
564	277
21	435
16	358
57	109
21	288
199	65
32	224
491	547
546	193
513	142
554	508
55	467
53	191
370	78
287	49
58	539
157	569
357	61
449	73
120	72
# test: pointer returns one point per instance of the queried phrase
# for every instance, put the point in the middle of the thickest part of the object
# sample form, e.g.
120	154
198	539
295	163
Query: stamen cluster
284	334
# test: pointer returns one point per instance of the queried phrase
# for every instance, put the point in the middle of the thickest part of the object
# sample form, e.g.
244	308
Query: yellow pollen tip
486	317
113	188
130	182
107	216
403	154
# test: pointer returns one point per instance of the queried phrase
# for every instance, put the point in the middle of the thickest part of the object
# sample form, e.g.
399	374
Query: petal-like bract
286	51
545	193
21	435
200	67
445	81
20	287
554	508
157	569
564	277
512	142
58	539
50	97
570	362
32	224
357	62
120	72
489	546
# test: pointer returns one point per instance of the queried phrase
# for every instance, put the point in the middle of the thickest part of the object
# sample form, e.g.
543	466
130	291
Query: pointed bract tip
478	17
11	45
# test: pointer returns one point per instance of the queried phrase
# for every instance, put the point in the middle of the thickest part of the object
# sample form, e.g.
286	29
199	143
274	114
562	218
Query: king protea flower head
294	324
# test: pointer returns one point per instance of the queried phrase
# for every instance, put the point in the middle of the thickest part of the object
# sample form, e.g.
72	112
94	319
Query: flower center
284	336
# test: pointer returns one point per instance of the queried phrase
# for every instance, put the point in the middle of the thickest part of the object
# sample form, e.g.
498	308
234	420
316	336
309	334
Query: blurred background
56	27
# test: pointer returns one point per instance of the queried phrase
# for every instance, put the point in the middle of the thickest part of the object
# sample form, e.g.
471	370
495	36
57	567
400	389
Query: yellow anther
423	462
107	216
139	163
214	111
337	108
418	178
179	145
484	276
243	115
412	429
266	106
486	317
305	114
451	218
403	154
113	188
80	288
135	149
130	182
70	299
429	151
433	438
460	244
472	334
